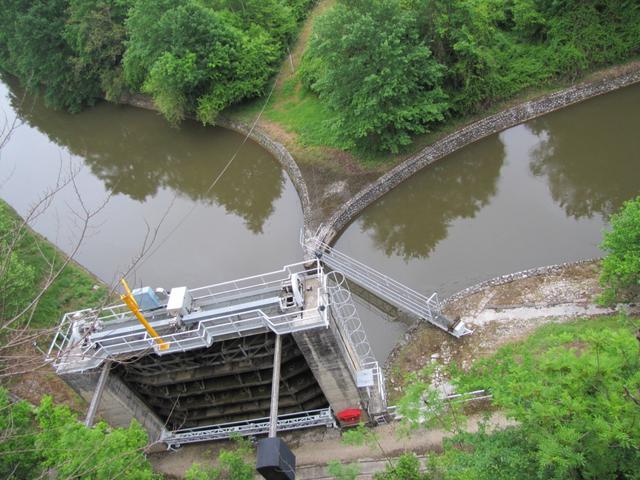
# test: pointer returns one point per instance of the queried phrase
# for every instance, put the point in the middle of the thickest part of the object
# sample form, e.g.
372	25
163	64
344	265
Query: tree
35	49
193	59
50	436
574	391
621	267
367	62
95	32
18	457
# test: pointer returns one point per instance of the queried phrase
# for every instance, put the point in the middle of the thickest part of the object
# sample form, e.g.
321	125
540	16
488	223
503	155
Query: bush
234	464
390	69
621	267
571	388
50	436
367	61
192	57
407	467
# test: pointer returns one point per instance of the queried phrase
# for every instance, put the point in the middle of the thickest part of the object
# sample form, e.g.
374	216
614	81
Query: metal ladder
394	292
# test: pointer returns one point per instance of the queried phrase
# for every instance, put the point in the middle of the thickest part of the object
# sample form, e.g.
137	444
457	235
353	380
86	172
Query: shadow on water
411	220
579	157
142	154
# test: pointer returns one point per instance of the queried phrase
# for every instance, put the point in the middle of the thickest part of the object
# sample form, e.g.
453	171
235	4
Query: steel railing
394	292
69	355
346	316
258	426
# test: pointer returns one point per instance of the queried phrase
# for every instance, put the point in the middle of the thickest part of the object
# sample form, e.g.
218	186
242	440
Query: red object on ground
349	415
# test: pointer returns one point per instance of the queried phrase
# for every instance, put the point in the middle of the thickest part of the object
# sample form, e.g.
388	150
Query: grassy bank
30	263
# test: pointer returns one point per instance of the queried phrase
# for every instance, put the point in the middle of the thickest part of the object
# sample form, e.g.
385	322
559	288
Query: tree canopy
574	393
621	266
390	69
49	436
192	57
367	61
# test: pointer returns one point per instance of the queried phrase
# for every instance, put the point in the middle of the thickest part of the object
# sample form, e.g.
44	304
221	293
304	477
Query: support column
97	394
275	388
119	405
326	354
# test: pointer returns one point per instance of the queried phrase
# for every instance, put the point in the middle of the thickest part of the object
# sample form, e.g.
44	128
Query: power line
214	183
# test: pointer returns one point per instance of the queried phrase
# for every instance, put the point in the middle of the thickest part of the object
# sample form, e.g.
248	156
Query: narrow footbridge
394	292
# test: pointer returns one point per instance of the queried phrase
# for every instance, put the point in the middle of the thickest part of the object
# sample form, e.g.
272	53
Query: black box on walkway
275	461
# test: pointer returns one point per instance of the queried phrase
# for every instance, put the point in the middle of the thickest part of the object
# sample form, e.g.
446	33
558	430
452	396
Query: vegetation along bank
359	85
373	73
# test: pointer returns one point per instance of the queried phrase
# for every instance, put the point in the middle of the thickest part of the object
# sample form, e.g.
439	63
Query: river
536	194
247	224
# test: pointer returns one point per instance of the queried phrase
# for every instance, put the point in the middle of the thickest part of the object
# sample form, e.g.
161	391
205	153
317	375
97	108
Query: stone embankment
469	134
255	134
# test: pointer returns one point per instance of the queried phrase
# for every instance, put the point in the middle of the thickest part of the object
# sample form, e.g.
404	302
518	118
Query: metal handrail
426	307
203	335
415	299
258	426
349	321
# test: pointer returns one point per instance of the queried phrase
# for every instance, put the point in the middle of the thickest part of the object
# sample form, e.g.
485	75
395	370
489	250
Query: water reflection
582	149
412	219
143	155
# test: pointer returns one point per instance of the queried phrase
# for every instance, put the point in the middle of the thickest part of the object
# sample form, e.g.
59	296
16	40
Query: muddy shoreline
501	310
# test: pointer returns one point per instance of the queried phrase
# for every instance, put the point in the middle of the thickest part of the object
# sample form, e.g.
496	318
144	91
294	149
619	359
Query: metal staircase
394	292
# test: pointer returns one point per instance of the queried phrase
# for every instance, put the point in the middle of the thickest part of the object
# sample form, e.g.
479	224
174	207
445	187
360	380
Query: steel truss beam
258	426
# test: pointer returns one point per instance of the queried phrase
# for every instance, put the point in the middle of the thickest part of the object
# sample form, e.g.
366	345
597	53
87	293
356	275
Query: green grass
72	290
306	115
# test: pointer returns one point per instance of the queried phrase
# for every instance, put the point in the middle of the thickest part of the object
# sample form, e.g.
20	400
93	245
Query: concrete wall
119	405
326	353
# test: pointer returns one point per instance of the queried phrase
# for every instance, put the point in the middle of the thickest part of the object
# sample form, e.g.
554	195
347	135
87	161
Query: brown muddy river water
247	224
536	194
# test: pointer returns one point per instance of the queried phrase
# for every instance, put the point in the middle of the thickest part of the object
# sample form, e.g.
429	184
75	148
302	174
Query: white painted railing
71	354
258	426
385	287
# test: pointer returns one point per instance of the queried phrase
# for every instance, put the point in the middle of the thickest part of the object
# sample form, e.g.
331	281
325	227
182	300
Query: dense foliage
50	438
621	267
407	467
368	63
190	56
392	68
574	391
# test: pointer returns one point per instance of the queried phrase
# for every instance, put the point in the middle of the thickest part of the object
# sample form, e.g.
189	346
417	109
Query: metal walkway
385	287
85	339
259	426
